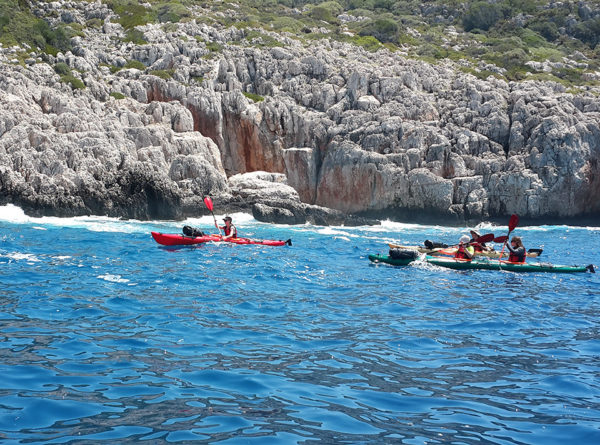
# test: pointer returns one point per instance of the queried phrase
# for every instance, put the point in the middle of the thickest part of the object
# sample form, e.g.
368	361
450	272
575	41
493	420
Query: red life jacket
512	258
461	254
227	230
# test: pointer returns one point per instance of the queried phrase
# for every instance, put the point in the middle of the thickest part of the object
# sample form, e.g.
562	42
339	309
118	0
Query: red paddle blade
209	204
500	239
485	238
513	222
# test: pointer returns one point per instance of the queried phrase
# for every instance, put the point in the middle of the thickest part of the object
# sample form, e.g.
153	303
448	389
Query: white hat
465	239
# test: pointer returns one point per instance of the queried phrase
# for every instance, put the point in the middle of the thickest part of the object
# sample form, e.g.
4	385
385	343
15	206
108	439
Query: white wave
62	257
113	278
333	230
22	256
13	214
238	219
343	238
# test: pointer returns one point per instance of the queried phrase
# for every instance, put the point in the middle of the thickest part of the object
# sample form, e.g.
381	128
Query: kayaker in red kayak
229	229
516	249
465	251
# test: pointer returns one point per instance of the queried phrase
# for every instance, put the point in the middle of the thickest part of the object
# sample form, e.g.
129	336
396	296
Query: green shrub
361	4
75	83
326	11
532	39
588	32
135	36
62	68
117	95
384	30
214	47
136	64
163	74
170	27
19	26
131	13
172	12
482	15
286	24
369	43
262	40
253	97
94	23
548	30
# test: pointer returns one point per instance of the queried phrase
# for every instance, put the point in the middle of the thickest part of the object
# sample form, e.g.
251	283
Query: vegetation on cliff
506	38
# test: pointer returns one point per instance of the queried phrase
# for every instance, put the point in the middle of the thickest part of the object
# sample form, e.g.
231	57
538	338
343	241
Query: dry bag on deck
403	254
192	231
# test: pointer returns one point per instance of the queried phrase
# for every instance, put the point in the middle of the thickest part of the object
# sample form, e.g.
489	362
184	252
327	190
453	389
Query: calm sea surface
108	337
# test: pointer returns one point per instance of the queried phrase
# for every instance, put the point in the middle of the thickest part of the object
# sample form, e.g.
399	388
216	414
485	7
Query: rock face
339	131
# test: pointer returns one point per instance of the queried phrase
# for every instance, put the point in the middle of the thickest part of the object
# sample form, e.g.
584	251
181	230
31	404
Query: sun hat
465	239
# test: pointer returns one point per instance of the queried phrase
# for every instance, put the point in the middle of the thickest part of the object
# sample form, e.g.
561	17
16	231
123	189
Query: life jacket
514	258
478	247
228	230
461	253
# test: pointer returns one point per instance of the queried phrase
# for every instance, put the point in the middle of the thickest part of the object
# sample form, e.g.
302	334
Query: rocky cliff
296	130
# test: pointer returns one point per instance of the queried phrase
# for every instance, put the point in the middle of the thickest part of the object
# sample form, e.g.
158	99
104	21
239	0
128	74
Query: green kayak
489	264
389	260
486	264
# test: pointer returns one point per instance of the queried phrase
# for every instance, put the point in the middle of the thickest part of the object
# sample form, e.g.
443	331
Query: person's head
475	234
227	220
516	241
465	239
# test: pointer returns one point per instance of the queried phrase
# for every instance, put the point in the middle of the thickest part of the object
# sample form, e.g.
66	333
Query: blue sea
108	337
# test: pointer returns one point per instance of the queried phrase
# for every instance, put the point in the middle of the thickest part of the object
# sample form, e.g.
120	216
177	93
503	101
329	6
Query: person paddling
465	251
516	249
229	229
478	246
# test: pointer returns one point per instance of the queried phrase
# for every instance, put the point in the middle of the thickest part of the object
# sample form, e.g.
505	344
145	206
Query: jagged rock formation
339	128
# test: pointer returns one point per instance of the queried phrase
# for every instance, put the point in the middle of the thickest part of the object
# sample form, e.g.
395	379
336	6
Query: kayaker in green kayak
229	229
477	245
516	249
465	250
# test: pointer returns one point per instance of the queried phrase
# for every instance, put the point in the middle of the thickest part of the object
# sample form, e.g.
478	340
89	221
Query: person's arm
470	252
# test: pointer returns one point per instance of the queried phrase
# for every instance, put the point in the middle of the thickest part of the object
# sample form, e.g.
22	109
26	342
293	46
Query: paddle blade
209	204
513	222
500	239
485	238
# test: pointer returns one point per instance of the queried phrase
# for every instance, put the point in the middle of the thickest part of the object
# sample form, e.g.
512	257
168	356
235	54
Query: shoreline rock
327	132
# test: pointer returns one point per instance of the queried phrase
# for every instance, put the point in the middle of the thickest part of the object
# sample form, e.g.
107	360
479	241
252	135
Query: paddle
481	240
512	223
500	239
485	238
209	205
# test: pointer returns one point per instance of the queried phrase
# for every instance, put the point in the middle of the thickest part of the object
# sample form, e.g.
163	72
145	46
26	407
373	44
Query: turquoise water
108	337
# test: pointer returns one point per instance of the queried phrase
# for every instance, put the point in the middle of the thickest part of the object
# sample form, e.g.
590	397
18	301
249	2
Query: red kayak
174	239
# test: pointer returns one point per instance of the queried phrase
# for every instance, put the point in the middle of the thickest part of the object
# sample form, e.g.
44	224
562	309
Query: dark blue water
107	337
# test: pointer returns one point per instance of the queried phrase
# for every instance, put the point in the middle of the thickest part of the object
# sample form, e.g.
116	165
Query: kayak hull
452	251
483	264
487	264
174	239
